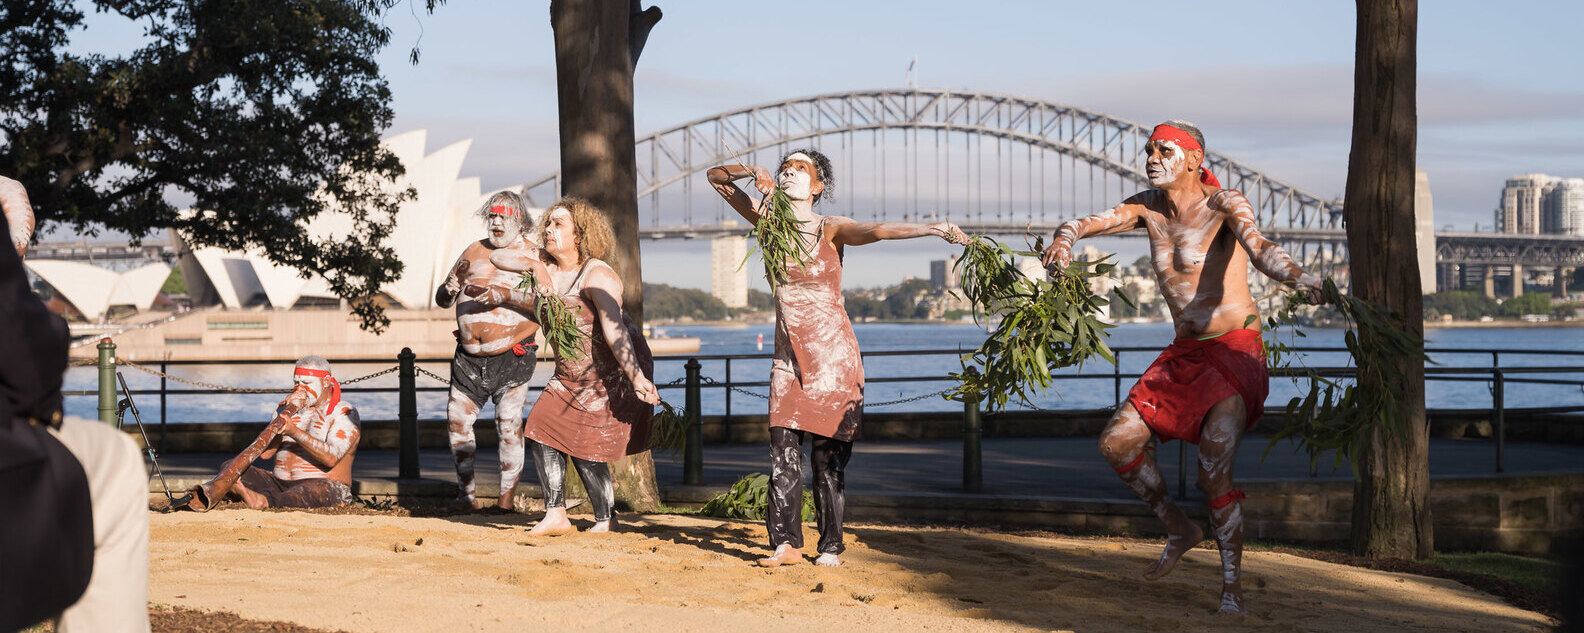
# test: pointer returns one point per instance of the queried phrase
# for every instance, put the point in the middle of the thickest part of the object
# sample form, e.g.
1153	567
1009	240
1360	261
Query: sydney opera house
244	304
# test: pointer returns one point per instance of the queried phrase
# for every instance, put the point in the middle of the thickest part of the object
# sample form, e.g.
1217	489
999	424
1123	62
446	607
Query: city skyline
1268	94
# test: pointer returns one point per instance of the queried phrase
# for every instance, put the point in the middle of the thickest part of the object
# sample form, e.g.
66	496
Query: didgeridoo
205	495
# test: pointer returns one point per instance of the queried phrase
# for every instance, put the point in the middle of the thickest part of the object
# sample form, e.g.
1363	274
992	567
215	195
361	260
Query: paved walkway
1065	467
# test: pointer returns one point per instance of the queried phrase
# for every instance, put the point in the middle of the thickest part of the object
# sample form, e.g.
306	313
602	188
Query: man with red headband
495	353
1209	386
312	439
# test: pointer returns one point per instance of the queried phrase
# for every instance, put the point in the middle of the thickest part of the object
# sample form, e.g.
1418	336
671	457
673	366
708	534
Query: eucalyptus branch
1045	324
560	327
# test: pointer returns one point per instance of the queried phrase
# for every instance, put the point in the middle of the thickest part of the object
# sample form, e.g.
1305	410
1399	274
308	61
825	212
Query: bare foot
828	560
602	527
554	523
462	504
785	554
252	499
507	501
1178	542
1232	599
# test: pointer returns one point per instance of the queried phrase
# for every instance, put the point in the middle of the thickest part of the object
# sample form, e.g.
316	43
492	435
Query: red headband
1165	132
501	209
329	381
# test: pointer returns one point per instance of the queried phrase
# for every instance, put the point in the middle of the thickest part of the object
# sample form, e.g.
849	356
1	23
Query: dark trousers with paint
552	466
784	517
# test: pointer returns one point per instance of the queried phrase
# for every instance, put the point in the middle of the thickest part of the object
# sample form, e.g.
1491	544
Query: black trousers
784	517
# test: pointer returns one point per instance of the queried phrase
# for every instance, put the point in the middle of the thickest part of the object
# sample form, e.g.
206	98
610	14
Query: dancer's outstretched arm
849	232
1119	219
1267	256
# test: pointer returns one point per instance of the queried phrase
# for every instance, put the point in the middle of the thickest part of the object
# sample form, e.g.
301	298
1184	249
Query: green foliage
665	302
262	114
748	499
759	300
1045	324
175	284
1334	415
560	328
670	430
1527	303
1461	304
778	237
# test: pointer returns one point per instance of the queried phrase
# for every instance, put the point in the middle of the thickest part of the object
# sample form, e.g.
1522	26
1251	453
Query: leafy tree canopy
263	113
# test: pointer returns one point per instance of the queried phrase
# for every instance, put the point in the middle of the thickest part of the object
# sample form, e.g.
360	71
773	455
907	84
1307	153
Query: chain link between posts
231	389
442	380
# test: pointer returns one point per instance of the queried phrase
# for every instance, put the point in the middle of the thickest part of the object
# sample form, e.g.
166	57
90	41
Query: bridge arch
676	155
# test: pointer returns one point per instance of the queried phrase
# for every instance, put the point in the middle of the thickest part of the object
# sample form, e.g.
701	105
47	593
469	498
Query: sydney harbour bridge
999	165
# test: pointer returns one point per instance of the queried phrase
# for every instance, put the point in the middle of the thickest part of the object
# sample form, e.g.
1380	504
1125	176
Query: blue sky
1500	88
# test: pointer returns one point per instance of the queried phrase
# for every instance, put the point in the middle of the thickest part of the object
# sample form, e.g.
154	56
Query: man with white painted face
1209	386
312	439
816	378
495	354
18	213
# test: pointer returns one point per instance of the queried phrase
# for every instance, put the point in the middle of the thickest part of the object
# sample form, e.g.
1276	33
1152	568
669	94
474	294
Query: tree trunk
597	43
1391	518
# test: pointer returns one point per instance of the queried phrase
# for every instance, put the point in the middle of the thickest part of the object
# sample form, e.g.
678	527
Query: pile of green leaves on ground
555	319
778	237
749	498
1339	411
1045	324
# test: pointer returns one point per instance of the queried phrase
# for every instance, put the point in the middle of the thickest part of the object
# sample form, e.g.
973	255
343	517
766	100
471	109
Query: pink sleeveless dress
816	377
588	409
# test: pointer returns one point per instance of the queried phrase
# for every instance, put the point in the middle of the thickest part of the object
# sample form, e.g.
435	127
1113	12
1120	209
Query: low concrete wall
224	437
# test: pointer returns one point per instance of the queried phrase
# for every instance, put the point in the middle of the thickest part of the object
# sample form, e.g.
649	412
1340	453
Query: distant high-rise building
1424	231
1521	204
1564	207
728	275
942	275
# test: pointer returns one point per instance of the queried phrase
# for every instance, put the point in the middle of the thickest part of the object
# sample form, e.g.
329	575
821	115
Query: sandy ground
392	574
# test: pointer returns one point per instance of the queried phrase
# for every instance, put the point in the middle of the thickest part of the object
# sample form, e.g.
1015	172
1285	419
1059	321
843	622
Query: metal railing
694	382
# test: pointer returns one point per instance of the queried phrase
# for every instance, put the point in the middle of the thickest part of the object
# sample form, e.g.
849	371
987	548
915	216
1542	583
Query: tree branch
639	23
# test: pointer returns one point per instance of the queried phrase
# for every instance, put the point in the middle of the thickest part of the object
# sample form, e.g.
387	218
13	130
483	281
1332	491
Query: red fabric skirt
1191	376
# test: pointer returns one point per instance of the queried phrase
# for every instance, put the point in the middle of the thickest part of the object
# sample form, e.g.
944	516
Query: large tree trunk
597	43
1391	517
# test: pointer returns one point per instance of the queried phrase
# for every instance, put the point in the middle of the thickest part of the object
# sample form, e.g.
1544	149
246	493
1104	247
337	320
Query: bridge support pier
1490	281
1517	280
1561	285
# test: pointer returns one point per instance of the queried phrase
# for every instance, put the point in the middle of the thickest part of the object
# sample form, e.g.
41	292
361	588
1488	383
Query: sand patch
483	573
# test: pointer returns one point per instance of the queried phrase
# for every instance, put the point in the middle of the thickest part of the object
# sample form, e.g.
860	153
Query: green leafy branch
1337	414
748	499
669	430
1045	324
778	237
560	326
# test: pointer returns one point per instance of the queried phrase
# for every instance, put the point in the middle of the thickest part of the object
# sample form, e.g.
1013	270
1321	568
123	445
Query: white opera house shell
432	229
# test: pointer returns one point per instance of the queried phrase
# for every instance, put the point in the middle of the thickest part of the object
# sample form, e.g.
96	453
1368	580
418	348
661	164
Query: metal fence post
164	430
107	384
693	451
407	415
1116	375
1501	421
973	470
726	421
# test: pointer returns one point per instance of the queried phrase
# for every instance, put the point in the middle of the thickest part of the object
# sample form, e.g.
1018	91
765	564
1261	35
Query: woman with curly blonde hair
597	406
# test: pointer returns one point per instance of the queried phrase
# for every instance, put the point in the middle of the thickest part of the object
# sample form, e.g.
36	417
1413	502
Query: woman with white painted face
816	378
597	407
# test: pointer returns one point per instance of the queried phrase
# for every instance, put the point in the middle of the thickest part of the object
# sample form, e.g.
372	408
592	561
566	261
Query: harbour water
874	337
